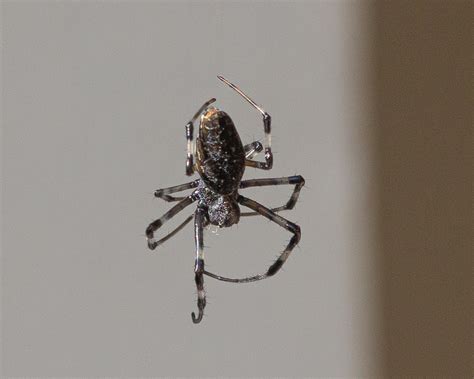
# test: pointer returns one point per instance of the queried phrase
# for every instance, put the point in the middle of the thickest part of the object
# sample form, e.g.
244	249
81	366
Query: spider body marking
220	162
220	159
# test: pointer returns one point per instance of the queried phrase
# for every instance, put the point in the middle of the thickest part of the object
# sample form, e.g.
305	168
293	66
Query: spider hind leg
284	223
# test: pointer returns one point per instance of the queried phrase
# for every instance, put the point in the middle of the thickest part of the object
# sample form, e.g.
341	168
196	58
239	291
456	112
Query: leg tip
152	244
197	320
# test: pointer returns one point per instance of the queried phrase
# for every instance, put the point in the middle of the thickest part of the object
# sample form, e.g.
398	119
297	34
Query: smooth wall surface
95	97
423	96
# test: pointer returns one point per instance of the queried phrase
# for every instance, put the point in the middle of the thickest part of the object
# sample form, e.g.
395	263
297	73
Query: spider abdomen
221	210
224	212
219	152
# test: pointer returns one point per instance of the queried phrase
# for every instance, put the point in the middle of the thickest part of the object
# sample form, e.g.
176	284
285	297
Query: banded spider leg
284	223
199	223
155	225
297	180
267	126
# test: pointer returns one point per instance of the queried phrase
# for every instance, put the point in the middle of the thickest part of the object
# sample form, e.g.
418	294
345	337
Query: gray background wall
95	97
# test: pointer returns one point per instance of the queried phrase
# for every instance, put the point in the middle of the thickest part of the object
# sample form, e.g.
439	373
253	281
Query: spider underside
220	162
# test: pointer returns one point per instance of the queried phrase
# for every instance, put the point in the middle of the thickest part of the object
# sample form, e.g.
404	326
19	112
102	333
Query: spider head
224	212
211	121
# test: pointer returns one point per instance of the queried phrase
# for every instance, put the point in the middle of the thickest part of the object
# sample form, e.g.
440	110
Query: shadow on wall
423	94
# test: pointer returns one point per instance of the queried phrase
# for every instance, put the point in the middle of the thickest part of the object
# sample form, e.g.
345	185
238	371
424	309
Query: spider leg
284	223
267	121
252	149
176	230
199	221
189	137
163	192
155	225
298	181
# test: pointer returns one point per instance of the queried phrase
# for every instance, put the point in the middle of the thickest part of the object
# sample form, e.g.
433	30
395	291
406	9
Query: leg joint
297	179
199	266
275	267
293	228
268	158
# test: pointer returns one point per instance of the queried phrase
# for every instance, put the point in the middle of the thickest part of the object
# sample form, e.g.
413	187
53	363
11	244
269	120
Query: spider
220	162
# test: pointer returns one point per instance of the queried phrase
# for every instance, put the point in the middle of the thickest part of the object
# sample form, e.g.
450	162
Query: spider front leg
297	180
267	126
199	221
284	223
155	225
189	138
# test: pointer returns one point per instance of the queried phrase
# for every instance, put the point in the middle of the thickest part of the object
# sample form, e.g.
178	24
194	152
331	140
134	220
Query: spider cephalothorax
220	161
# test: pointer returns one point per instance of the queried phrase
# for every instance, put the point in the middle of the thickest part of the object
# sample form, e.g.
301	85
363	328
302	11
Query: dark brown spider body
220	159
220	155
